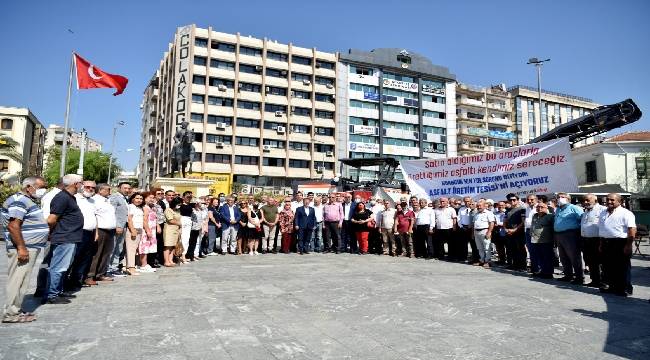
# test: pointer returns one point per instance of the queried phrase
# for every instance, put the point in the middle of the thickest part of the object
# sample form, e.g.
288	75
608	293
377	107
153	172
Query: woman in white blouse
134	231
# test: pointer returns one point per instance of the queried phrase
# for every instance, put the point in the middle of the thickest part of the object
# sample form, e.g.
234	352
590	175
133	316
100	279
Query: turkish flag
91	77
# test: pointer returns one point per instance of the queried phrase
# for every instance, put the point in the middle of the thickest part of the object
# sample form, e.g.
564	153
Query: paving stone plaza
335	307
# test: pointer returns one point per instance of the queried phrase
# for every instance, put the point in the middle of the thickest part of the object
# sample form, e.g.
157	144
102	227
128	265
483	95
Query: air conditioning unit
279	113
266	148
329	153
281	129
283	72
267	89
293	108
330	86
221	125
258	67
219	144
306	82
320	169
317	65
222	87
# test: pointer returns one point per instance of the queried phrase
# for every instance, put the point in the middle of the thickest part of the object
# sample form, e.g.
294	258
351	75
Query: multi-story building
483	118
22	126
262	111
394	103
55	138
556	109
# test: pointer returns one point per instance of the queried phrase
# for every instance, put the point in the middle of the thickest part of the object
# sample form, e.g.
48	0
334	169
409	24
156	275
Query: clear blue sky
599	49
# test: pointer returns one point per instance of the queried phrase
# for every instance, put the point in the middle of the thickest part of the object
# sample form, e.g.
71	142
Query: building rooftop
387	57
530	88
630	136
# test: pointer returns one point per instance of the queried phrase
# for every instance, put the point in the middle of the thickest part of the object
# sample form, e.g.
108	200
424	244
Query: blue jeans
212	238
61	258
118	252
317	238
532	253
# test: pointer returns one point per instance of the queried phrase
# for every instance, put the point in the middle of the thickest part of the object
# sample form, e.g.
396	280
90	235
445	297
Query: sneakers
250	253
146	269
255	253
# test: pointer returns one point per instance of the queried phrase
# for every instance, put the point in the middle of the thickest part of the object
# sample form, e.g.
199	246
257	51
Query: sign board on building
401	85
363	147
222	181
370	96
502	134
364	130
433	90
181	73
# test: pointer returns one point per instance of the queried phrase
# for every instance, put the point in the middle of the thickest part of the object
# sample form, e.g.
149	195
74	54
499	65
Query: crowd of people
92	233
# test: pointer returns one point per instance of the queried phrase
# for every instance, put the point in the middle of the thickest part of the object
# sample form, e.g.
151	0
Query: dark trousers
105	244
331	236
83	257
475	255
374	241
440	238
516	245
348	238
304	237
500	244
545	257
616	265
592	257
458	245
420	235
43	271
194	235
160	248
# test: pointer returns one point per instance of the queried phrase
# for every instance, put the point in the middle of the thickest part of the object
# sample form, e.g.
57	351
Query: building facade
483	118
55	138
396	104
21	125
261	110
556	109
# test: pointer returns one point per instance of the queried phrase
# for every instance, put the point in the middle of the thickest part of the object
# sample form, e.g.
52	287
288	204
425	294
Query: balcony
471	147
499	120
478	132
469	118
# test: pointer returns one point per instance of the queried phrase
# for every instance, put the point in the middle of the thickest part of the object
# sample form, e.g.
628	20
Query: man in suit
120	202
305	222
230	216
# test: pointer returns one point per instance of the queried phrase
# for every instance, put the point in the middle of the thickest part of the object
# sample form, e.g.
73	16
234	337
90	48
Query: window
643	167
325	64
250	87
225	65
590	169
324	114
298	146
275	107
276	144
270	125
400	110
399	142
7	124
364	105
274	90
250	69
276	73
364	139
324	81
325	98
301	94
268	161
245	50
398	77
246	160
434	130
433	99
198	80
200	60
364	88
197	98
399	126
219	101
249	105
272	55
195	117
569	113
433	114
246	141
248	123
360	71
404	94
227	83
200	42
301	164
301	129
213	119
531	120
321	148
217	158
300	111
544	119
213	138
300	77
4	165
223	46
404	58
324	131
363	121
300	60
556	114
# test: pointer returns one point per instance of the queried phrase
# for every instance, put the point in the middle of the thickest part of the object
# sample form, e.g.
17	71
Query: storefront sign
364	130
363	147
433	90
402	85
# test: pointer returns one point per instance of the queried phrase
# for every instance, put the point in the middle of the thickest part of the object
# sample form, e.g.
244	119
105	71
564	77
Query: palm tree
8	148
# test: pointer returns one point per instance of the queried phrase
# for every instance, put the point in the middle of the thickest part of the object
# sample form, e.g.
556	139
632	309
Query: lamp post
538	64
82	151
110	161
116	153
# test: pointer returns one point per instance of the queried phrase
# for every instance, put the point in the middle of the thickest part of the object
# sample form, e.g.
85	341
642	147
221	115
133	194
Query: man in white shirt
374	236
385	223
531	205
458	250
47	198
483	223
347	235
87	248
446	220
43	271
106	224
297	202
425	222
317	234
590	237
499	232
617	229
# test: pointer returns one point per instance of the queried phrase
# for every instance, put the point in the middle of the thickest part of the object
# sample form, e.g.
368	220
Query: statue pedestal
198	187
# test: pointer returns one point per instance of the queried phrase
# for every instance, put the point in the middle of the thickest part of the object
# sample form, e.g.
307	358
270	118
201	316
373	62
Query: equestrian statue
182	150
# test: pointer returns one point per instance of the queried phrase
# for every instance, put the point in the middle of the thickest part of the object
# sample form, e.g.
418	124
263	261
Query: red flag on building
91	77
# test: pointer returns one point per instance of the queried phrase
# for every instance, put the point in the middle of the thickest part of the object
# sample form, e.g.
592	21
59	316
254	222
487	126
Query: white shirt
445	218
464	216
306	209
231	210
376	210
346	210
426	216
529	216
499	217
104	213
46	200
482	219
295	205
386	218
589	221
137	216
616	224
318	211
88	208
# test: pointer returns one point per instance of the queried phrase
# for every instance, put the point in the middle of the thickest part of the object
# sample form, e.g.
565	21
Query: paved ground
335	307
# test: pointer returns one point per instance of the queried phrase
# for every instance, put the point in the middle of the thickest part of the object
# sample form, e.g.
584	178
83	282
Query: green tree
95	165
8	148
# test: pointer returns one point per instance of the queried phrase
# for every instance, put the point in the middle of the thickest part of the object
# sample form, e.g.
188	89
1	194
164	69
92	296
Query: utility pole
110	161
82	150
538	64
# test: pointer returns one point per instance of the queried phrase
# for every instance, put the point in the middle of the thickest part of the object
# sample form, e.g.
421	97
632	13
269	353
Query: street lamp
116	154
538	64
110	161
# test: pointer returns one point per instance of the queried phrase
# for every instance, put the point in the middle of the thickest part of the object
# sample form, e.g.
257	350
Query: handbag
253	222
371	224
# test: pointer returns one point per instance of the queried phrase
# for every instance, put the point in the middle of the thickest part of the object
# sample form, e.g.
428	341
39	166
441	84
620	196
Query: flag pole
64	148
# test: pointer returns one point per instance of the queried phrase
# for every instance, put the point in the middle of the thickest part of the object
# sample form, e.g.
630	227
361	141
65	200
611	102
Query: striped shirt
34	228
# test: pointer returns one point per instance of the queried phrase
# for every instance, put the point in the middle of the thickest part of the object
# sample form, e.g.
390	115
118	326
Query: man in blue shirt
567	237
